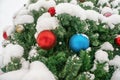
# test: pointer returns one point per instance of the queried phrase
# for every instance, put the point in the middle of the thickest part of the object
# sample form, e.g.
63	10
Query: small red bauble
108	14
51	10
117	40
46	39
5	35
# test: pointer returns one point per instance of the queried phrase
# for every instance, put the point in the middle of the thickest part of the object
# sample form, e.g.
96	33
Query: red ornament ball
117	40
5	36
51	10
46	39
108	14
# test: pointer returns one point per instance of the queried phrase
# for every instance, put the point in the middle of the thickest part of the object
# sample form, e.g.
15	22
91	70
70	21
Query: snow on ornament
112	20
106	9
117	40
51	10
79	42
107	14
46	39
8	31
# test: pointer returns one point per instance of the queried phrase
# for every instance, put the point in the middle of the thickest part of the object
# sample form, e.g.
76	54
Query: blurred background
7	10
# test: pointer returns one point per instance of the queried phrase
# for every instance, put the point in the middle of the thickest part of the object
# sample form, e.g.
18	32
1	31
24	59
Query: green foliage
13	65
56	63
64	63
101	73
86	61
71	68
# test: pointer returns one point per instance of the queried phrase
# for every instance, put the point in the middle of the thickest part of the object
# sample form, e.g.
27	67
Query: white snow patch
112	20
52	23
116	75
106	9
9	29
88	3
93	15
38	71
102	2
107	46
101	56
11	51
115	62
42	3
23	19
68	9
14	75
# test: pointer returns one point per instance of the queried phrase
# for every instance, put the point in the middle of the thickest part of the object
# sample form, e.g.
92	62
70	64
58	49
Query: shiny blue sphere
79	42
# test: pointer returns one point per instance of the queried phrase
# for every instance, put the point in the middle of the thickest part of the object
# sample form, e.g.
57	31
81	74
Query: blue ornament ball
79	42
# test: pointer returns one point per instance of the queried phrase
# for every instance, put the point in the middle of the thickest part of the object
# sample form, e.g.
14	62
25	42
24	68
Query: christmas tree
63	40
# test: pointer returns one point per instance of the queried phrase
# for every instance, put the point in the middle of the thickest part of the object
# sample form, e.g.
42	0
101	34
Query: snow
102	2
9	29
116	75
90	75
107	46
68	9
115	3
23	19
11	51
38	71
112	20
7	9
14	75
115	61
88	3
33	52
93	15
22	11
106	67
106	9
25	64
101	56
42	3
52	23
1	72
73	2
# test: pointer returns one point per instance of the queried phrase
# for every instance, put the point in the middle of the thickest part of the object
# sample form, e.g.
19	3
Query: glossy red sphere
117	40
46	39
